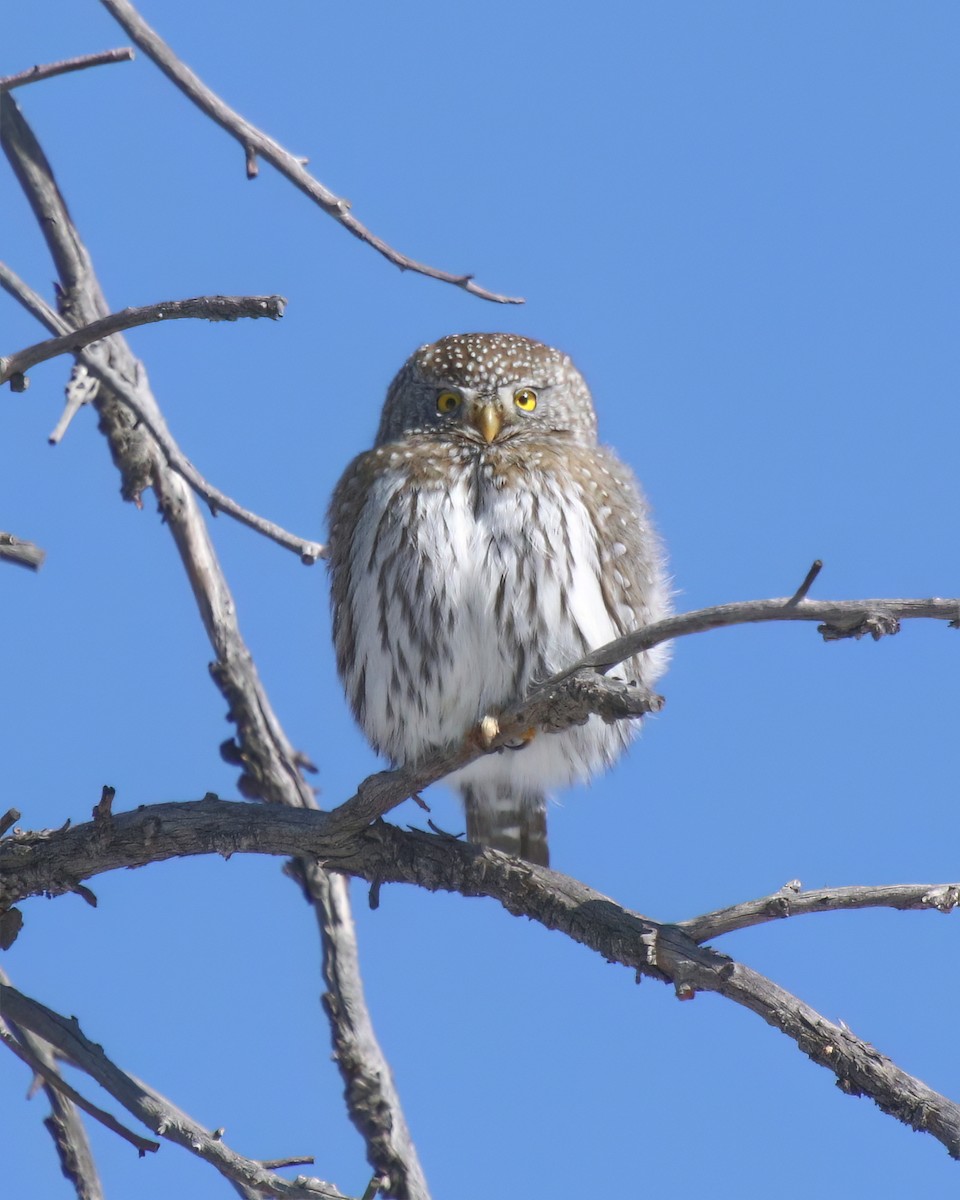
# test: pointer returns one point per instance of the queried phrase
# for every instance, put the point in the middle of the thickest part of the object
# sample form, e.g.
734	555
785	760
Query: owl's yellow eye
525	399
448	401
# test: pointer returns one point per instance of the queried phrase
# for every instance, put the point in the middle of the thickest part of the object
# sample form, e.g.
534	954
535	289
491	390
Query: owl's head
488	387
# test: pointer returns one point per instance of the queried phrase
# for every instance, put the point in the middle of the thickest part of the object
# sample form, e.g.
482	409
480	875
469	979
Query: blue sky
741	221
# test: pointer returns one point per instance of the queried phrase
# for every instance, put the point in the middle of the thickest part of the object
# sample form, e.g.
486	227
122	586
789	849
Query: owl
486	542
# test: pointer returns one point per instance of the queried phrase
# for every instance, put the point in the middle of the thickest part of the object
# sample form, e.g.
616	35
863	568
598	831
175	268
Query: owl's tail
508	820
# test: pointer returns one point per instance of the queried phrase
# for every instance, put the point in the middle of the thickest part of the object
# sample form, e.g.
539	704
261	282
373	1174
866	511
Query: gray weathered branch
207	308
55	862
48	70
24	554
790	901
256	143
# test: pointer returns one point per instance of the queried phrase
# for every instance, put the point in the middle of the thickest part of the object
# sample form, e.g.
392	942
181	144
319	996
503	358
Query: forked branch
148	1106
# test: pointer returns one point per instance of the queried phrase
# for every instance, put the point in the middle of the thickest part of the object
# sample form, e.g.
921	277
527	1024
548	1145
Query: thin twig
256	143
791	902
207	308
81	388
148	1106
48	70
24	554
386	854
808	580
32	301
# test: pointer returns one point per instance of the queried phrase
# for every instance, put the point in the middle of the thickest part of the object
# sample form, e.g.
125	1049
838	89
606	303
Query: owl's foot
524	739
487	731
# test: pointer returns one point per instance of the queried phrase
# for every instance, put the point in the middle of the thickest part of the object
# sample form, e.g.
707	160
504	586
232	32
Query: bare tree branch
271	767
148	1106
370	1093
24	554
790	901
30	300
55	862
48	70
63	1122
255	142
207	308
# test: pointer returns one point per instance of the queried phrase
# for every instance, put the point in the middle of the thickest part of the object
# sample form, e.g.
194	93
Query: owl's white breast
494	597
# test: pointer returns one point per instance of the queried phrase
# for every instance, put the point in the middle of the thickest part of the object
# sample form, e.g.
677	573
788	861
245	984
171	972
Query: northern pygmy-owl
484	543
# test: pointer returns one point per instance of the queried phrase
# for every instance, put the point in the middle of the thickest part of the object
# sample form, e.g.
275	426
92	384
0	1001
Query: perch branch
54	863
256	143
48	70
271	767
24	554
581	689
208	308
790	901
156	1112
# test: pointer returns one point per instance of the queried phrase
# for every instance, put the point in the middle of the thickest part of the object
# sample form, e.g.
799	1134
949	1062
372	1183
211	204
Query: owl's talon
486	732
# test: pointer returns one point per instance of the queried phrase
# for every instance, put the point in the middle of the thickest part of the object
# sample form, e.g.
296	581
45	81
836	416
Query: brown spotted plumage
485	542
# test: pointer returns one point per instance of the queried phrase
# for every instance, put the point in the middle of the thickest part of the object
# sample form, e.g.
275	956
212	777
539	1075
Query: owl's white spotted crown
479	360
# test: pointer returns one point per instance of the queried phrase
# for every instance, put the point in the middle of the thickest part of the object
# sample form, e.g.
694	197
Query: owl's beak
487	419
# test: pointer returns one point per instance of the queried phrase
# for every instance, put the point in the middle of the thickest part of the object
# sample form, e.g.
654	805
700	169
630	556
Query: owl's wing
343	518
633	574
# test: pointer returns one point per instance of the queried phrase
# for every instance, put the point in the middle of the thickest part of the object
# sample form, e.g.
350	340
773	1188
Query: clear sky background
741	219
